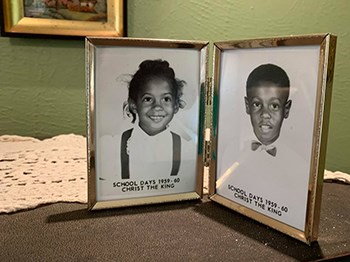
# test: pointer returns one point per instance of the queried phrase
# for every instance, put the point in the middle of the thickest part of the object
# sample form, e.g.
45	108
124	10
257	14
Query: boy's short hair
268	74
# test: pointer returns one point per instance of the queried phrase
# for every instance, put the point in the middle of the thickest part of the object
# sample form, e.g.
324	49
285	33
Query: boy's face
155	106
267	106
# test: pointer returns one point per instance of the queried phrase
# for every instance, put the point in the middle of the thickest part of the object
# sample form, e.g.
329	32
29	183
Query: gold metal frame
92	44
327	45
15	22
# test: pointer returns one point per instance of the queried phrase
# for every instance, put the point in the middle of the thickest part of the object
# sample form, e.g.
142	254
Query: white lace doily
35	172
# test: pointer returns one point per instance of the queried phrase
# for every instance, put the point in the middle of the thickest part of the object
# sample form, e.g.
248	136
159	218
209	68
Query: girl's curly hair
150	69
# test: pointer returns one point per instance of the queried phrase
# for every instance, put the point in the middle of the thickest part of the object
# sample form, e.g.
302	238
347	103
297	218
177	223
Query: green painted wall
42	87
43	83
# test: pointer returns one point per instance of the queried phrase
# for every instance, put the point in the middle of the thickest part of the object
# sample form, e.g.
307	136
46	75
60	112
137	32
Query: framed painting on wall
271	103
63	17
145	109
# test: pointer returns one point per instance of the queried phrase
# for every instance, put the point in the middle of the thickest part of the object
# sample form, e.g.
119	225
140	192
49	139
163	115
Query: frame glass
271	111
63	17
158	158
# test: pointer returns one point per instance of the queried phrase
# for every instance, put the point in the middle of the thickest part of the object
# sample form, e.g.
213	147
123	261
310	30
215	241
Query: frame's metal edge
214	118
201	123
328	50
135	42
90	118
98	205
311	39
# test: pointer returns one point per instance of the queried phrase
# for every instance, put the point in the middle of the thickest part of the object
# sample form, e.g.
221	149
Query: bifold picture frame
145	120
257	128
271	112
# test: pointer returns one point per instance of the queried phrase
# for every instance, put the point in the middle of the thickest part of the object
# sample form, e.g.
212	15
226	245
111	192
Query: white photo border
324	61
98	51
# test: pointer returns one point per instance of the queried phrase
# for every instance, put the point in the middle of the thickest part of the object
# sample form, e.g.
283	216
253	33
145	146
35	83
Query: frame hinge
207	147
209	90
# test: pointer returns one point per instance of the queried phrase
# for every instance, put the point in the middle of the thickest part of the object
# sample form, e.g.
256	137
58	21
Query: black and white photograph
146	121
267	130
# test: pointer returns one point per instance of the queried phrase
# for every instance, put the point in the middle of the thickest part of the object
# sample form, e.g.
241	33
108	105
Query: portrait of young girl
147	123
154	98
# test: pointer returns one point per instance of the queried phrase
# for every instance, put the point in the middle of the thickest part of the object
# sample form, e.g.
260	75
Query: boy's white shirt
274	178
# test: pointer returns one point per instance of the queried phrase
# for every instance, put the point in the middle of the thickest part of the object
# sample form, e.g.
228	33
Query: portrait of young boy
267	104
265	120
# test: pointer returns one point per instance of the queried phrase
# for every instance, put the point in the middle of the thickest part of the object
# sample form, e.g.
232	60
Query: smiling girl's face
155	106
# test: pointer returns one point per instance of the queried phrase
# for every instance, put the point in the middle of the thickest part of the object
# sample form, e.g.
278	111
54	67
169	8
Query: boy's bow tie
270	149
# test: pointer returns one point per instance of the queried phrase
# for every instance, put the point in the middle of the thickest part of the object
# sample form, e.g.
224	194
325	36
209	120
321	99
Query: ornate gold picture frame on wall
64	18
271	110
145	120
